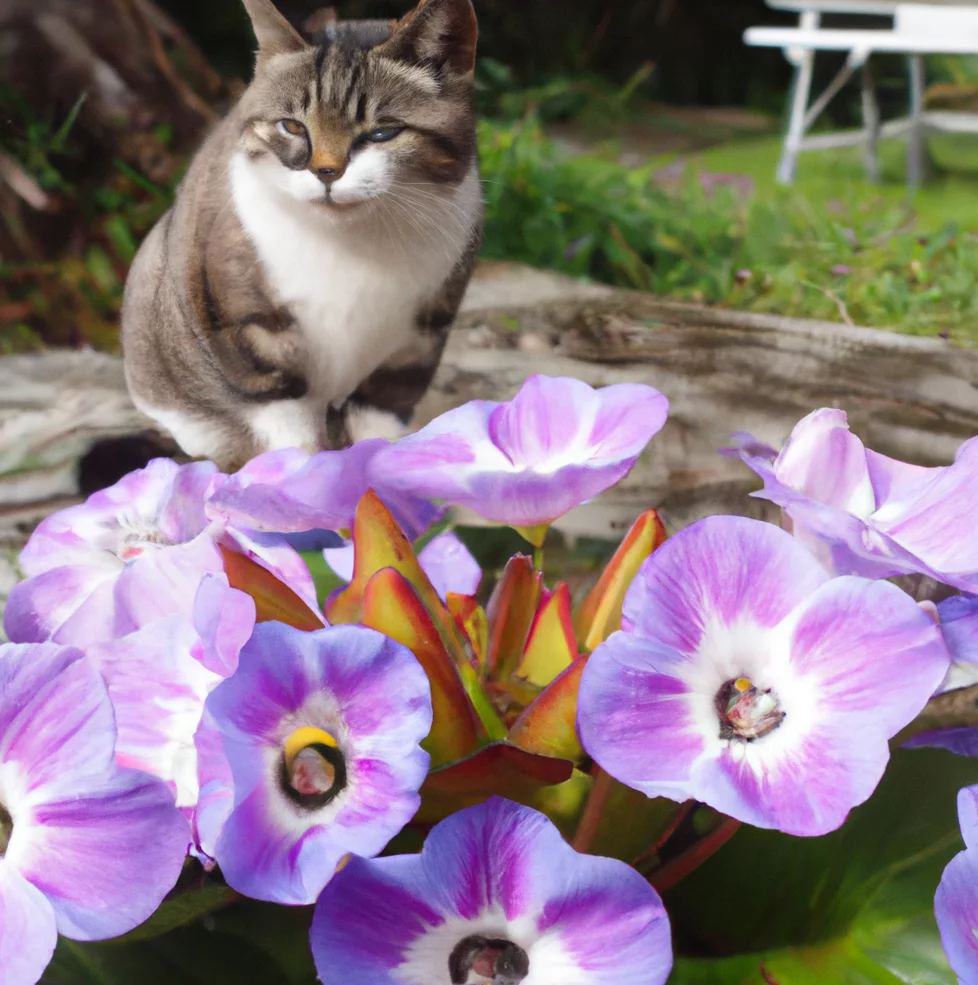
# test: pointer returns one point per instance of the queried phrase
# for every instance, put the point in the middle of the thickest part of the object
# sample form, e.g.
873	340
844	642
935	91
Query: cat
300	291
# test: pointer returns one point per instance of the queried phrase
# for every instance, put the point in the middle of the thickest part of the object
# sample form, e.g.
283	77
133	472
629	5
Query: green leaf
903	953
853	907
180	911
249	943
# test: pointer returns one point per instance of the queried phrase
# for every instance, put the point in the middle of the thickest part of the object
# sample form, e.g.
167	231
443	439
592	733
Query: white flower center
745	711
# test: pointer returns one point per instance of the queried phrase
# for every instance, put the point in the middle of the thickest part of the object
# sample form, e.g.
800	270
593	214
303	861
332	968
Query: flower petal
29	932
450	566
961	741
849	630
823	460
606	925
261	858
57	730
625	710
224	619
722	568
158	690
290	491
956	908
968	815
38	608
163	583
104	860
937	525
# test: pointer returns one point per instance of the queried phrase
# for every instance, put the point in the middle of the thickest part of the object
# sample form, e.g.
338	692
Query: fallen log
723	371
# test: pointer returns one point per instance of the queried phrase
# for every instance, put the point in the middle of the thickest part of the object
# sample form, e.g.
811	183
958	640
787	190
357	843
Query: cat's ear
276	36
439	33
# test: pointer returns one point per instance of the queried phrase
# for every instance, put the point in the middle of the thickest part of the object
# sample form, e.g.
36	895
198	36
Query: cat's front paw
369	422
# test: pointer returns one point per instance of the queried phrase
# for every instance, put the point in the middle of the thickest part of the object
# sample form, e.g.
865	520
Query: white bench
918	29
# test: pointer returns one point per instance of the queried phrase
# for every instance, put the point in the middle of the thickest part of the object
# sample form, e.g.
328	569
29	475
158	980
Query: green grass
832	247
950	194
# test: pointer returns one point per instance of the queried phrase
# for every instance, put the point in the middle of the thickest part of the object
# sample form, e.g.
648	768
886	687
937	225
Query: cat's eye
382	134
291	127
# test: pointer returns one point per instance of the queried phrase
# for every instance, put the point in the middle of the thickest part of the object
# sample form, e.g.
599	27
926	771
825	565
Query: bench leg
798	105
916	150
871	123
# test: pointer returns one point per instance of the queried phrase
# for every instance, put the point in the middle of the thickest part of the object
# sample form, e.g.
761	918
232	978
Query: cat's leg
382	406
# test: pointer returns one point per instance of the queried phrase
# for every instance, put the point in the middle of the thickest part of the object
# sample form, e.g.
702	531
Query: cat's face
367	111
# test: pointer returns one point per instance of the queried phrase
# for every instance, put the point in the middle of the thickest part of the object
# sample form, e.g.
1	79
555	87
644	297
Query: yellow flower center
314	767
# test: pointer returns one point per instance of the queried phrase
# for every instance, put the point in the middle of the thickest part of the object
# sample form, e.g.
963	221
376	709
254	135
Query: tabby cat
300	290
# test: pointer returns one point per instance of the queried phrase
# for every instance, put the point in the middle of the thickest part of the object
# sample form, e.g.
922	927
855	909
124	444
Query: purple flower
159	678
958	618
308	752
450	566
132	554
446	561
290	491
495	896
748	679
87	849
527	462
956	902
863	513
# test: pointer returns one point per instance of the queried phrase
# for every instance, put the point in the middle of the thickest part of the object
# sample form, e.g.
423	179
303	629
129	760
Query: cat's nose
328	171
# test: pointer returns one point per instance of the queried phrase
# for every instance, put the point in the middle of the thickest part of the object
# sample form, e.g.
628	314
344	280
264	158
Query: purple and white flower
446	561
87	849
496	897
865	514
746	678
291	491
310	751
956	902
159	678
132	554
527	462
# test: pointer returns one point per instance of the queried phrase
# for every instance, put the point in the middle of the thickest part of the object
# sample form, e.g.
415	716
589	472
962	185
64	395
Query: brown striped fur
320	244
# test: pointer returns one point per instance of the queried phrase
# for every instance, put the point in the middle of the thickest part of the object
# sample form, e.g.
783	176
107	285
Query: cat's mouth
329	203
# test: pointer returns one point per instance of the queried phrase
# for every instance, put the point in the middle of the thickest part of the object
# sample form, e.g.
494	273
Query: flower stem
681	814
674	871
538	558
593	810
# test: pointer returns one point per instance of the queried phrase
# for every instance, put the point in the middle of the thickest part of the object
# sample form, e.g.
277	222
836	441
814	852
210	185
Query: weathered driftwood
723	371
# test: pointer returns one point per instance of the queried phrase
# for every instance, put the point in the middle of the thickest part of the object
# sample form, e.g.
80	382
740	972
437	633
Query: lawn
713	227
950	195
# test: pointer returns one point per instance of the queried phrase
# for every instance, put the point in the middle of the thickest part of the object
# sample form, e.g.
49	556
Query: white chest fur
354	282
